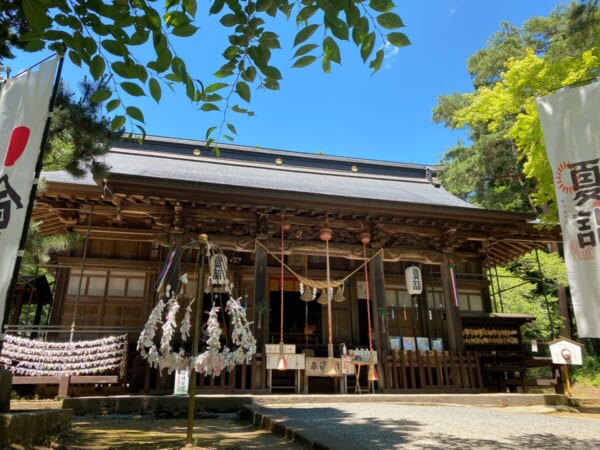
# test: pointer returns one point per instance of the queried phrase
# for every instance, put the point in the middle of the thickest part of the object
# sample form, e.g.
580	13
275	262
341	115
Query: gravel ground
389	426
353	426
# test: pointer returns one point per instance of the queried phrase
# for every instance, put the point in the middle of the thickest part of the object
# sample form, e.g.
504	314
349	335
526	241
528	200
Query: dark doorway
301	320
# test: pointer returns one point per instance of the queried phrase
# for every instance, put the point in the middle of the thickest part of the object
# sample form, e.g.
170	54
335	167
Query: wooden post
378	296
63	386
567	382
453	318
195	339
260	294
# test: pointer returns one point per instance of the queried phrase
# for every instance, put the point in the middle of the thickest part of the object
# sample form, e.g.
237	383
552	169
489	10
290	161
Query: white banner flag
570	122
24	106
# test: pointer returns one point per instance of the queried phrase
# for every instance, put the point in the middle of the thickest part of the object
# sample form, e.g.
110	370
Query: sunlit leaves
337	26
305	33
97	67
113	104
398	39
135	113
113	38
132	88
381	5
243	90
332	51
185	30
367	45
155	90
100	95
304	61
390	21
375	64
114	47
118	122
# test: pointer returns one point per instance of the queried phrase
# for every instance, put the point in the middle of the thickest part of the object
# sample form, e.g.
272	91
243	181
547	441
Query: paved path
387	425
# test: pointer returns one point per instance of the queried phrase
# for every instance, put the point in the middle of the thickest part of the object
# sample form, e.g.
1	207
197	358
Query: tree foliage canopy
106	37
506	166
524	289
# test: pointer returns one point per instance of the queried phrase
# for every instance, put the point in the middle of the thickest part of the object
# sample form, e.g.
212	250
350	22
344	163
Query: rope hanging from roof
282	362
317	284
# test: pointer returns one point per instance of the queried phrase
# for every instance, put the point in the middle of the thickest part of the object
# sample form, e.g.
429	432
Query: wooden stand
370	383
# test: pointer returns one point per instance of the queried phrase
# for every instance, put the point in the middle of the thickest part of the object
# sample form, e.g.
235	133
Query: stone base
158	407
27	428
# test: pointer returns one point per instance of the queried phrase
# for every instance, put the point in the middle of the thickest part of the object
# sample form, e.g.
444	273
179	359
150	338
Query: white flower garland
23	356
215	358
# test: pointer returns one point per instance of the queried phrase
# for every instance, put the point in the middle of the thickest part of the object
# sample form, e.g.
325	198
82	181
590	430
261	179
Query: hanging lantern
414	282
218	269
339	295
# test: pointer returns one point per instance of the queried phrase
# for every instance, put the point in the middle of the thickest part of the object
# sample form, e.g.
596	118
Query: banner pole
33	192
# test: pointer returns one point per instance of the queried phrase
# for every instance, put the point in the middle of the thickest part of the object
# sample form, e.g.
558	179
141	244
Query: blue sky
386	116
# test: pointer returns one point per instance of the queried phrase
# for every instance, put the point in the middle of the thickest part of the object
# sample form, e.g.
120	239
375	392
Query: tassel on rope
365	238
331	367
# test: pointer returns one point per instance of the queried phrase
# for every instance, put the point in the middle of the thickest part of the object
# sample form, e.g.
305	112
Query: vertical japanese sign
24	106
570	122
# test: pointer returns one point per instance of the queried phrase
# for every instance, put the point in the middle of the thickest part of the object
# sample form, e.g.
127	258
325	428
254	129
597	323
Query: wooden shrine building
165	191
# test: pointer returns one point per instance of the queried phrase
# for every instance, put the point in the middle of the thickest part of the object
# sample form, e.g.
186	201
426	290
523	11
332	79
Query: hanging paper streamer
430	314
162	325
404	315
453	289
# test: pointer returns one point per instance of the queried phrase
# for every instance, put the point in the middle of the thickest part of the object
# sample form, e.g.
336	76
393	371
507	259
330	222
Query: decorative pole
203	239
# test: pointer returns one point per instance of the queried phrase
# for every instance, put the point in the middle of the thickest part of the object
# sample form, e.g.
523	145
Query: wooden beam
118	234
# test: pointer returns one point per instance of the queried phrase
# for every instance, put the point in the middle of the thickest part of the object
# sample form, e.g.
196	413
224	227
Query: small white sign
182	382
294	362
565	351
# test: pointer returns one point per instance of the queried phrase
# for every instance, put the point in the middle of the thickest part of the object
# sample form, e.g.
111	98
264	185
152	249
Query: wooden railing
431	370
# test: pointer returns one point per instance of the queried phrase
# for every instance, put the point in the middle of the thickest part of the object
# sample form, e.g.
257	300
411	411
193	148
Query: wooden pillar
377	281
563	302
260	295
62	285
453	317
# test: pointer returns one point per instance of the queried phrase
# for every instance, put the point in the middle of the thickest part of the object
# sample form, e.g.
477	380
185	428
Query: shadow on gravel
530	441
345	430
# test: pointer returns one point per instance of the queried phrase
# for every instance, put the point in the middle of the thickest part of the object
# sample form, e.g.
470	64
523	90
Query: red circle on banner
16	145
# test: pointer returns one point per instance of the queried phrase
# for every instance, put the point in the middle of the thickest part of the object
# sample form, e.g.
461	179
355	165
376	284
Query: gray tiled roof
251	168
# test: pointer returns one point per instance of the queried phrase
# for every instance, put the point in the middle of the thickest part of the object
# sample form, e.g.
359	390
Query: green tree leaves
112	39
506	166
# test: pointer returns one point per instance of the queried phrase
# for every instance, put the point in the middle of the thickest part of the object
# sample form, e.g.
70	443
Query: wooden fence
247	378
431	370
